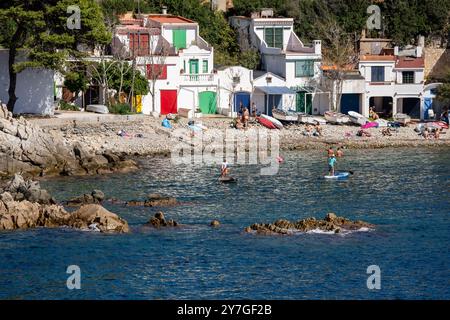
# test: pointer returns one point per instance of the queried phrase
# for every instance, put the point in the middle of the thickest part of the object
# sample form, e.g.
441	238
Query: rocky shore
24	205
35	151
331	223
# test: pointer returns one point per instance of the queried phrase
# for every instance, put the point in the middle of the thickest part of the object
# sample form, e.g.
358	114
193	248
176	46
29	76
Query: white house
235	88
185	68
284	54
35	89
394	82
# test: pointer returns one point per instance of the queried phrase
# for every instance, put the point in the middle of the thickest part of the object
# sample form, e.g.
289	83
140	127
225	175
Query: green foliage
443	92
250	59
76	81
120	108
67	106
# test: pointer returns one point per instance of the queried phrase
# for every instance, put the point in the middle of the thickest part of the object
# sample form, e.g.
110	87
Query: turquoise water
405	192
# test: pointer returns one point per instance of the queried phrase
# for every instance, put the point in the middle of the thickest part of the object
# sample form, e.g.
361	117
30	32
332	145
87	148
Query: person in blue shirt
331	164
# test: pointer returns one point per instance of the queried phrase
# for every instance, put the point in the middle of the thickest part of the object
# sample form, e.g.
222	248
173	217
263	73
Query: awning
275	90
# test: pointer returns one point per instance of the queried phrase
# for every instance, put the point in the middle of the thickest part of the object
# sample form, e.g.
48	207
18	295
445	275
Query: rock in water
105	220
215	223
95	197
331	223
158	220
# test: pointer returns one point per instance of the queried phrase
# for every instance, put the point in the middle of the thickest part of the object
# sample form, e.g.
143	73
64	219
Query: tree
250	59
39	30
443	93
339	55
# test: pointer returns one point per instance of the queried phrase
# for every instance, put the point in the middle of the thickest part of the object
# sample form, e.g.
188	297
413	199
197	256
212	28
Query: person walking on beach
253	110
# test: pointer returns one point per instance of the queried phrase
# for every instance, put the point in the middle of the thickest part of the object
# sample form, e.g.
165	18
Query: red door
168	101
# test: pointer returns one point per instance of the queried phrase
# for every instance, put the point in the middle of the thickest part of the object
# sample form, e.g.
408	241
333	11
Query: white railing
202	77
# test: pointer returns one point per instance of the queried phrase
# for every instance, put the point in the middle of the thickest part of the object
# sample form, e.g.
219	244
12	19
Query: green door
207	102
304	102
193	68
179	38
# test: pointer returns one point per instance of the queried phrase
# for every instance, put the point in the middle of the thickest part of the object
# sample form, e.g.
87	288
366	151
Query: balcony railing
205	77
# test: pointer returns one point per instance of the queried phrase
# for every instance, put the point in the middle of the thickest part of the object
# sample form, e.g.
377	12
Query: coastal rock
104	220
95	197
330	223
34	151
158	220
19	190
154	200
215	223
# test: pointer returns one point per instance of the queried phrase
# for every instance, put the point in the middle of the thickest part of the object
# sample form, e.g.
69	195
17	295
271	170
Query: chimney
317	46
164	10
421	41
396	51
419	50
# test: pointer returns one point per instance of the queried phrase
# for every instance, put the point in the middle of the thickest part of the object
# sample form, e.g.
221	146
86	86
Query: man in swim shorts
331	164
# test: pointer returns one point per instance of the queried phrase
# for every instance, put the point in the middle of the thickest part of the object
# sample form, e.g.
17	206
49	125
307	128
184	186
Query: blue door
427	105
241	97
349	102
272	101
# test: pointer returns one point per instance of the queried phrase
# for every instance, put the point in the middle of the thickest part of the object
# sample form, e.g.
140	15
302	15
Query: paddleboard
227	179
266	123
275	122
338	176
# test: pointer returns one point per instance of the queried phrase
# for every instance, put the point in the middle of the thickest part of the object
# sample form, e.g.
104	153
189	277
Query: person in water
330	151
331	164
339	152
224	169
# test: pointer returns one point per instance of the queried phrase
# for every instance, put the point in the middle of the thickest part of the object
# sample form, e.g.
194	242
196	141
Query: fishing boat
266	123
357	118
275	122
288	116
305	118
336	117
402	118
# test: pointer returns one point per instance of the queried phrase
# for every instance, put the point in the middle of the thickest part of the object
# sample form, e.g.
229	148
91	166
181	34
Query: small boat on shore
288	116
402	118
97	108
275	122
336	117
266	123
357	118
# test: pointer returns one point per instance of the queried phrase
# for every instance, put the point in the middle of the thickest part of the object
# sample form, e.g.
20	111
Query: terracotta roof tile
410	63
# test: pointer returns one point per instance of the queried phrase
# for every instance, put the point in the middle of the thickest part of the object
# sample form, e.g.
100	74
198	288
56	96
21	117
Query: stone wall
437	63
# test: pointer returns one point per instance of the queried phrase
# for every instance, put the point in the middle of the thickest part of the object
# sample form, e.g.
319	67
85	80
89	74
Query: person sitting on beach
308	131
224	169
318	130
373	114
331	164
363	133
245	117
386	131
437	133
426	133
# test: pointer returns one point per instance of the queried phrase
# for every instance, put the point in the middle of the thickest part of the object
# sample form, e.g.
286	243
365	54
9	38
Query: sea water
404	192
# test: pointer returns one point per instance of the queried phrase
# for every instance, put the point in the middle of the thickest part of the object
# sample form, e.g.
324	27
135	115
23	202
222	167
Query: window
377	74
274	37
156	71
179	39
408	76
304	68
205	66
139	44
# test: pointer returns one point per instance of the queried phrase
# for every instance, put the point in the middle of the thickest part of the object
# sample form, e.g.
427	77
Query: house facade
284	55
178	63
394	82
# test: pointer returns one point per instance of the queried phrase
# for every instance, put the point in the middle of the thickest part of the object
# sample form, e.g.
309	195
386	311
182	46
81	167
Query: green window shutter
278	41
268	36
179	38
304	68
193	66
205	66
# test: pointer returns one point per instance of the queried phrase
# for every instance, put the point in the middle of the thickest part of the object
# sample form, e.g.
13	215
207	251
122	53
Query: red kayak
266	123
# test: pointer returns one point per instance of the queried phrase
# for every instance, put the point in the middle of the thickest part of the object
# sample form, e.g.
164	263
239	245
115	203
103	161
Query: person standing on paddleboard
331	163
224	169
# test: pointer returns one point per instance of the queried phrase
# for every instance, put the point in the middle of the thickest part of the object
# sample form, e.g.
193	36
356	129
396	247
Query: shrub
63	105
120	108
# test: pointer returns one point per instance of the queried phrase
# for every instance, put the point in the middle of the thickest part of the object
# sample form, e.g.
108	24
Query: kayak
338	176
275	122
266	123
